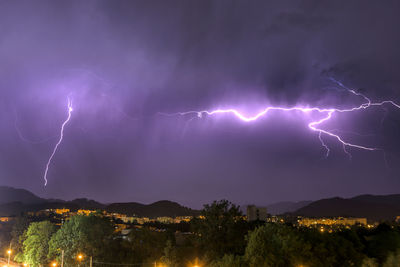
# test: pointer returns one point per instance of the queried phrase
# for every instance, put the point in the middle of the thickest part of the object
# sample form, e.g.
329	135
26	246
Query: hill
85	203
14	201
393	200
9	194
156	209
17	208
374	208
286	206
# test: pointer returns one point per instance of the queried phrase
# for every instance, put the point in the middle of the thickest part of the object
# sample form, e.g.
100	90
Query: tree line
221	237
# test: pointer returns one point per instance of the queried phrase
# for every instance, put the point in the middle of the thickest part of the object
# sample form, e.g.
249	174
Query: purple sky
123	62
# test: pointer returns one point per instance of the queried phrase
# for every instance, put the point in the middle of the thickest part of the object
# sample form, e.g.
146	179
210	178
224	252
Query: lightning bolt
313	126
70	110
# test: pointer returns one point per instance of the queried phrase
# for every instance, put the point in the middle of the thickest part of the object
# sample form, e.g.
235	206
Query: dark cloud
291	21
123	62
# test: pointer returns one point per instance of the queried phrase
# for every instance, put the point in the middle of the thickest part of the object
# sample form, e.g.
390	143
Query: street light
80	258
9	255
54	264
196	263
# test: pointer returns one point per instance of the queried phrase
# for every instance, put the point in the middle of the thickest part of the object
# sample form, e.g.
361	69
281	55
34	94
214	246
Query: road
3	262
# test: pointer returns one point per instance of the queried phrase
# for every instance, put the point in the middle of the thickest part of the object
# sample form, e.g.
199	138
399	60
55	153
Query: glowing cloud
314	125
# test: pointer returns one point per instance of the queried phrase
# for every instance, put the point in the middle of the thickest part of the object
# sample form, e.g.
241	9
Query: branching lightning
326	114
314	125
70	110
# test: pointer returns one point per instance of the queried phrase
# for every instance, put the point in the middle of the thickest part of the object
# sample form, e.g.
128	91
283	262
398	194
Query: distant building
180	219
255	213
5	219
61	211
85	212
308	222
125	234
119	227
165	220
141	220
127	219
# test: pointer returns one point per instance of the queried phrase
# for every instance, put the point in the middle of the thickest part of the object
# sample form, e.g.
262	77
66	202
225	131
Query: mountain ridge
10	194
286	206
372	207
15	201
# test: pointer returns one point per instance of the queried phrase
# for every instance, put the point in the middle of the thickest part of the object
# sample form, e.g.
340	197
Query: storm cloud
124	62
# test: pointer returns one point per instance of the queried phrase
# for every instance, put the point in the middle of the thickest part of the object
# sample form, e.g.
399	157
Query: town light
54	264
9	251
80	257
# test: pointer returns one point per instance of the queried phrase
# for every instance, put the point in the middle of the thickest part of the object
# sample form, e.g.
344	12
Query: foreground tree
229	261
36	244
369	262
382	241
147	244
276	245
222	229
18	236
88	235
393	260
170	257
283	245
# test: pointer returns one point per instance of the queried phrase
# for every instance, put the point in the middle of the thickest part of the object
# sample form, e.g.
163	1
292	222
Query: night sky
125	64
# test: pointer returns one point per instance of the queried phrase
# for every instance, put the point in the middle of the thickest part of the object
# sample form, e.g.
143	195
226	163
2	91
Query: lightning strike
313	126
70	110
324	145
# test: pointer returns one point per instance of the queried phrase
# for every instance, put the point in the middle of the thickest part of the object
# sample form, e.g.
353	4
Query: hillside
375	208
85	203
9	194
286	206
14	201
386	199
17	208
156	209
